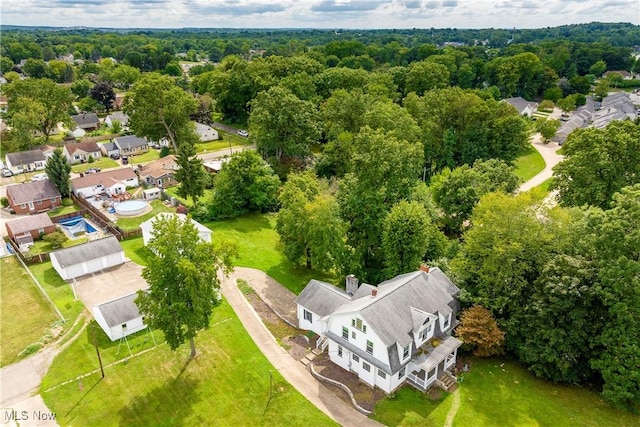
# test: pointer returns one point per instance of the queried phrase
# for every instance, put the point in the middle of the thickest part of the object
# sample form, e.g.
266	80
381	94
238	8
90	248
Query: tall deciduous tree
58	170
598	163
37	106
158	109
245	184
191	173
479	331
182	273
279	131
103	93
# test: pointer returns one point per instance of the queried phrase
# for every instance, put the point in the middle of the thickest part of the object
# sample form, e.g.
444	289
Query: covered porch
432	363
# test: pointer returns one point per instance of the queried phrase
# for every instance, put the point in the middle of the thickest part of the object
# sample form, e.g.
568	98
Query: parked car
115	156
6	173
39	177
125	160
243	133
92	170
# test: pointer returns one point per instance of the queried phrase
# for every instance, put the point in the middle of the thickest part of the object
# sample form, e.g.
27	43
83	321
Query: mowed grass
58	290
149	156
259	247
103	163
503	393
409	407
228	384
529	164
25	315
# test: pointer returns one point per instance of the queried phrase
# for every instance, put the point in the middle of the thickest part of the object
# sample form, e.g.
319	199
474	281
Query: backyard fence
58	218
29	259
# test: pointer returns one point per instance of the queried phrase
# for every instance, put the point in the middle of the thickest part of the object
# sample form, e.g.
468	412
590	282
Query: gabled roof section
106	178
32	191
28	223
26	157
118	311
322	298
130	141
86	120
87	251
87	147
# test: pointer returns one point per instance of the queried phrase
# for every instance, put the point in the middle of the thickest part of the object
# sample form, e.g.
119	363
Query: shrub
56	239
91	159
67	202
4	202
164	151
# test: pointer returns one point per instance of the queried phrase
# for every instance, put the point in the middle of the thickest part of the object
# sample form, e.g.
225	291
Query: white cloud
317	13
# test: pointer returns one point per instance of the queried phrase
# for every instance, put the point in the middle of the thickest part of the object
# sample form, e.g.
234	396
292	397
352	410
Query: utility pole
95	342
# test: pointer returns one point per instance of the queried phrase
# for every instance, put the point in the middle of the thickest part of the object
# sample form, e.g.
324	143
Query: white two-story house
397	331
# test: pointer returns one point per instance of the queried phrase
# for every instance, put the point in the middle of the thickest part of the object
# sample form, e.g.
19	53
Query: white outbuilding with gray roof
120	317
87	258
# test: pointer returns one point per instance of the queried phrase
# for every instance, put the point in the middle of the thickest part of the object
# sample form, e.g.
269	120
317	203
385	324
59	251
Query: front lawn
62	210
499	392
134	222
227	384
25	315
147	157
259	247
529	164
102	163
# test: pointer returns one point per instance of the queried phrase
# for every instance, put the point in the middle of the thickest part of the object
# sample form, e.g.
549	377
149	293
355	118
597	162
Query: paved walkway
292	371
551	158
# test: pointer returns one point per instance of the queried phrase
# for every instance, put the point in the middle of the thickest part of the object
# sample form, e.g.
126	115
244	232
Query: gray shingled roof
28	223
130	141
26	157
389	313
32	191
86	120
87	251
322	298
121	310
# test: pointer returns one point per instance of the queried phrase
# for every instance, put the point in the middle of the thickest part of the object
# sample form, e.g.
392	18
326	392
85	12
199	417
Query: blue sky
363	14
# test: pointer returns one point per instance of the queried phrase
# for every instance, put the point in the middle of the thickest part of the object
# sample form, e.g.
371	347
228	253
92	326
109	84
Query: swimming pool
131	207
77	225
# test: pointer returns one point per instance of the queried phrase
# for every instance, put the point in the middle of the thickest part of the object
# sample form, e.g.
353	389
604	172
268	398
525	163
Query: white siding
133	326
315	325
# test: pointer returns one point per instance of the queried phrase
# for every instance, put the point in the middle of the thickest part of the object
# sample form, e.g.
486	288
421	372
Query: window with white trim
381	374
445	325
366	366
405	351
353	334
355	357
369	347
308	316
401	373
431	373
425	332
339	351
345	333
357	323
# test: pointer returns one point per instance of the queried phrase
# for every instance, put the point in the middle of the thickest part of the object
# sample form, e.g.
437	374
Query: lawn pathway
454	409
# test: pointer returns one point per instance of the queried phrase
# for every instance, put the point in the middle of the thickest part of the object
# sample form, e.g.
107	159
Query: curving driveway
551	158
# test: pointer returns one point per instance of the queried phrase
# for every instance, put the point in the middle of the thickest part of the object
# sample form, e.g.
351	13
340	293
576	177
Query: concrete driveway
97	288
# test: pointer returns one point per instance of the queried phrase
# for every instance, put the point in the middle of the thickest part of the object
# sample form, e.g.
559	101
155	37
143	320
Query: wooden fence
56	219
29	259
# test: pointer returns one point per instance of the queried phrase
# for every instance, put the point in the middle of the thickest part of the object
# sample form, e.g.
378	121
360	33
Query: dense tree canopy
58	170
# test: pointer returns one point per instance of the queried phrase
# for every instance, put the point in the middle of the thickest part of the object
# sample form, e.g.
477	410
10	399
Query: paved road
551	158
292	371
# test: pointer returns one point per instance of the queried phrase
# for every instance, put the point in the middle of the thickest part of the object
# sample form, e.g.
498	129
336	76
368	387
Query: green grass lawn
61	210
173	191
203	147
136	251
40	246
149	156
25	315
58	290
103	163
503	393
259	247
529	164
227	384
134	222
546	184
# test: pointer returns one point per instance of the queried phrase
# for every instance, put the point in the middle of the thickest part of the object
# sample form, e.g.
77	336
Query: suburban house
113	181
25	161
522	106
109	149
215	165
80	152
87	121
617	106
206	133
159	173
578	120
32	225
397	331
120	317
147	226
87	258
33	197
120	117
130	145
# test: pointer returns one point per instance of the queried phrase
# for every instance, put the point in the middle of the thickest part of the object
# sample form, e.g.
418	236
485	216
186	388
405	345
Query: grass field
61	210
529	164
58	290
149	156
103	163
259	247
40	246
25	315
227	384
497	392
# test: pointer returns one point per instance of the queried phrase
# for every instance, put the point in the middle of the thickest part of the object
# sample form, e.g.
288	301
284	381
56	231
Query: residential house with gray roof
86	121
396	332
130	145
25	161
33	197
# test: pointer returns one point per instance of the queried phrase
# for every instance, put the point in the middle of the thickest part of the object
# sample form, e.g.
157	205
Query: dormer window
424	334
405	351
445	325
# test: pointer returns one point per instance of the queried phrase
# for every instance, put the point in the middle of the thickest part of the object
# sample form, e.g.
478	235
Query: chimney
352	284
424	268
374	293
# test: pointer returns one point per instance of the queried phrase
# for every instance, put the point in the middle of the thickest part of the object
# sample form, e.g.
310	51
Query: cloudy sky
363	14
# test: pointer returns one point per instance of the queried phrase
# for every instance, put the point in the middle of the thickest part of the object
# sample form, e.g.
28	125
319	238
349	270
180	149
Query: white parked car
243	133
39	177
